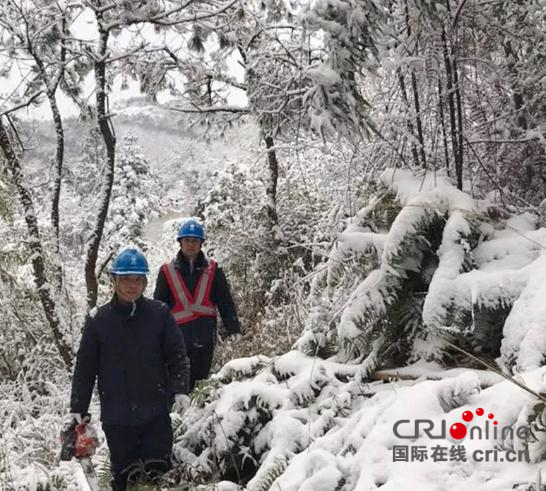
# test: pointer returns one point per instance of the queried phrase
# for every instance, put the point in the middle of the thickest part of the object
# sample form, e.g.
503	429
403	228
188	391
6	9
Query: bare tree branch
27	102
214	109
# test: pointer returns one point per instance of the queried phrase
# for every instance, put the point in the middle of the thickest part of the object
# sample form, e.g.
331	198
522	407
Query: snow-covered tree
135	194
420	275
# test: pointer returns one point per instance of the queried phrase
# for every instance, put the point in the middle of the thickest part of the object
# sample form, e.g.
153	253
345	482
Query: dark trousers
200	363
138	450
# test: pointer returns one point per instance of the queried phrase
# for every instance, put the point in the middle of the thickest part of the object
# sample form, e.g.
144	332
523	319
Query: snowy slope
325	434
300	422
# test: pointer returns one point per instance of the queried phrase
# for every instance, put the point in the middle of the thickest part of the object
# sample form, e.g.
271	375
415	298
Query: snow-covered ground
326	423
345	437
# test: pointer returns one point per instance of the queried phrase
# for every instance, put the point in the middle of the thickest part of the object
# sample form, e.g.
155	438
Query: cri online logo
459	430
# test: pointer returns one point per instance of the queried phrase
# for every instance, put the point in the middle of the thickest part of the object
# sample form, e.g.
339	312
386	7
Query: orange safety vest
188	307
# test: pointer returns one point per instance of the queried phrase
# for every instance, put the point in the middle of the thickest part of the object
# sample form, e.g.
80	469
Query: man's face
129	287
190	247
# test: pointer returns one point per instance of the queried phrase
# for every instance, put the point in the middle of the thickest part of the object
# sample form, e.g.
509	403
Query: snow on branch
441	270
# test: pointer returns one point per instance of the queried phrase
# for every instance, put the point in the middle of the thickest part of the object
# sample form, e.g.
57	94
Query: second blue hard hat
191	229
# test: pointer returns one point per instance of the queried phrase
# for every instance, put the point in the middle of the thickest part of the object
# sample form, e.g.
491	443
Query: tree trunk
443	124
103	121
452	111
271	259
516	93
56	198
415	91
404	93
418	118
271	187
51	84
40	276
455	111
460	131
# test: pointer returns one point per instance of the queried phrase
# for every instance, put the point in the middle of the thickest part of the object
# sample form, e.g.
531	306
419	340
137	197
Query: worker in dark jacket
195	289
134	348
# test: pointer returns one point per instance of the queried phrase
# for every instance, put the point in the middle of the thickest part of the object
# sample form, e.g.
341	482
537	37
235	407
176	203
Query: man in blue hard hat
196	289
134	348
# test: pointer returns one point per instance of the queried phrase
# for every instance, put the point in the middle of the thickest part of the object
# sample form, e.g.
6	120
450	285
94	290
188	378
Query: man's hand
234	338
68	435
71	420
181	403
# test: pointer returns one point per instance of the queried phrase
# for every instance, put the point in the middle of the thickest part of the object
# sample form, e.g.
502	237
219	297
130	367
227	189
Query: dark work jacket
139	358
201	332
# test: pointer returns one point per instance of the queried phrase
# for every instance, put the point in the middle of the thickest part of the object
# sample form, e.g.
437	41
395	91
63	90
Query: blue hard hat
191	229
130	261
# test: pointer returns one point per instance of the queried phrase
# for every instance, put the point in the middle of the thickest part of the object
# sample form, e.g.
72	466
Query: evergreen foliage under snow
314	419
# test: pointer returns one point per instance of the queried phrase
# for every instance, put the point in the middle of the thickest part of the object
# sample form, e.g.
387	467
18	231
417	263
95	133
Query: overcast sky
85	28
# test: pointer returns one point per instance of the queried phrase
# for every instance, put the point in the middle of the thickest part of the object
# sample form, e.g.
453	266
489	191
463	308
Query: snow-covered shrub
235	230
259	415
270	271
298	422
370	289
11	299
419	267
26	345
438	271
31	409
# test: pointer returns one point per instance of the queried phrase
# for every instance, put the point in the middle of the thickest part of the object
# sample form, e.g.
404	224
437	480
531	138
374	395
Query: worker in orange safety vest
196	289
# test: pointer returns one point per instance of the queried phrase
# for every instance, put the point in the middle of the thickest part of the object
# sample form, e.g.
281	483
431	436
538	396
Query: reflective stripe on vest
187	308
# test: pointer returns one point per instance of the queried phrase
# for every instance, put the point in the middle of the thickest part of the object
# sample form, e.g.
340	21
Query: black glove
68	434
68	437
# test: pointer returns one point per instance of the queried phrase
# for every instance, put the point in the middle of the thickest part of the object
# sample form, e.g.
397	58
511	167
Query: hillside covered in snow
420	276
371	178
